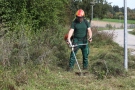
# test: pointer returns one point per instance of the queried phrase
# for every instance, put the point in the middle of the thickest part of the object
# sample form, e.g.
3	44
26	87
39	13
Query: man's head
80	15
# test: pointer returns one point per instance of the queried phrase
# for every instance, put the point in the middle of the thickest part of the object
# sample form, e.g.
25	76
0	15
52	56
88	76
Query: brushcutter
72	48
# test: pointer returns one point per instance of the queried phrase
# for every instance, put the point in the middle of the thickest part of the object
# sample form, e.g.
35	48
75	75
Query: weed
109	26
132	32
38	62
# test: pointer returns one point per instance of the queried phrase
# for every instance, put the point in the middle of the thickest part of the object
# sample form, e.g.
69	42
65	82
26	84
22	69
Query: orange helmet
65	37
80	13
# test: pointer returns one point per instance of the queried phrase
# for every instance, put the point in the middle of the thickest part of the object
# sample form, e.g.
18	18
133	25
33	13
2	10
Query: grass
59	79
49	75
132	32
117	20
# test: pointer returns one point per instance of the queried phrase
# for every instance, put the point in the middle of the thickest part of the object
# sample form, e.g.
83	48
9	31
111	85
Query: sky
120	3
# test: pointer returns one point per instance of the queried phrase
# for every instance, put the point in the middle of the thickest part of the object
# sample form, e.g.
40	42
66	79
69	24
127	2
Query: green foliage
115	12
101	9
131	62
109	26
104	60
34	55
35	29
116	8
117	20
104	63
38	14
132	32
101	38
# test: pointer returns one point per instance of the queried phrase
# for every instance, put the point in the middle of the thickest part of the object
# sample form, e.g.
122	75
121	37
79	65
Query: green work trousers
85	53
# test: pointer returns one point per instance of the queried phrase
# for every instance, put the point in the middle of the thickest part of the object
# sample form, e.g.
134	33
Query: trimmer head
81	74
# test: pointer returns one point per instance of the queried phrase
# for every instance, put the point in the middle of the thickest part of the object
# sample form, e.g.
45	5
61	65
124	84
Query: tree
116	8
37	13
100	9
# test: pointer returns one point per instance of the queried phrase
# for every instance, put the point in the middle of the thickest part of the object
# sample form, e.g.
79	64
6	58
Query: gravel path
119	33
119	38
113	24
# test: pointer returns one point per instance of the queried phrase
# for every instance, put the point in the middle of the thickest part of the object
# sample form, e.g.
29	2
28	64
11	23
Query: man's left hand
90	39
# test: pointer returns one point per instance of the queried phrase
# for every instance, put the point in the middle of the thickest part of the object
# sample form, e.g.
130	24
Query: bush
132	32
109	26
107	64
101	38
34	31
108	59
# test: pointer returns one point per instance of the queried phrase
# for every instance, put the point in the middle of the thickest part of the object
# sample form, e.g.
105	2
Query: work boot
85	68
69	69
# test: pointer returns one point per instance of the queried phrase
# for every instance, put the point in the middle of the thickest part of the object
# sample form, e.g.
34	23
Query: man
79	29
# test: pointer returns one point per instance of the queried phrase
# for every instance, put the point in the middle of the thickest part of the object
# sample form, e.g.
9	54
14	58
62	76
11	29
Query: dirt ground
113	24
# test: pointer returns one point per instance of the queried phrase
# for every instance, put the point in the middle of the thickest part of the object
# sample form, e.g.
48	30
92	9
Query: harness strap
84	39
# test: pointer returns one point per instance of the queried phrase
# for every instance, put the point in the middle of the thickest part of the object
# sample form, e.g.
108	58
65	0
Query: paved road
119	38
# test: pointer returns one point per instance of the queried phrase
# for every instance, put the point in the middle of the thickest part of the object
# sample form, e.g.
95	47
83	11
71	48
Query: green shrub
108	57
101	38
109	26
107	64
132	32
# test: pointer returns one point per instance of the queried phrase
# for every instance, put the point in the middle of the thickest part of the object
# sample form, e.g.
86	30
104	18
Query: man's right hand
67	42
90	39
